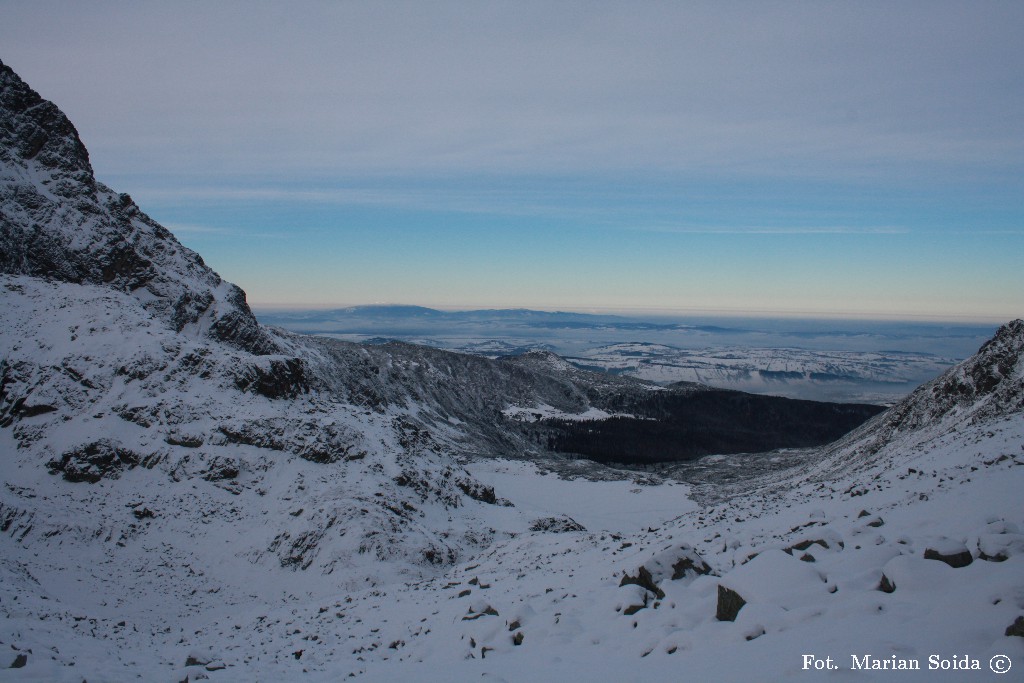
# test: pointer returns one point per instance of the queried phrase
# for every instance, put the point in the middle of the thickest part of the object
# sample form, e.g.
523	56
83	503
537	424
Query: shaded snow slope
832	568
97	394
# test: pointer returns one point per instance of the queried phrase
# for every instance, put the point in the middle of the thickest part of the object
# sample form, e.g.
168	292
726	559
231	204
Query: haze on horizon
860	160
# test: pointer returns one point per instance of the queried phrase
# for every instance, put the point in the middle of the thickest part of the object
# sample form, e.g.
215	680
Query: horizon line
663	312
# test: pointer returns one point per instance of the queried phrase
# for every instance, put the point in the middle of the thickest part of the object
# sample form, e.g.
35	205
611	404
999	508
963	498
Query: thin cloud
765	230
822	89
193	230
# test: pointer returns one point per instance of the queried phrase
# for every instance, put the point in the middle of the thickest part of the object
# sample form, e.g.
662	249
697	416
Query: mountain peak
36	130
987	386
995	372
58	222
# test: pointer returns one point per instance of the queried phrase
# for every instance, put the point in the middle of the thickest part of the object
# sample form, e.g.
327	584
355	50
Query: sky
780	158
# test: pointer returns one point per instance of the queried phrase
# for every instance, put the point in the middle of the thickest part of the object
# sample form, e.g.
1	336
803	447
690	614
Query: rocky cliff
58	222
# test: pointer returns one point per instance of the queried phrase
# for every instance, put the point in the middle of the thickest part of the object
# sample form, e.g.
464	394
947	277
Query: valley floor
547	604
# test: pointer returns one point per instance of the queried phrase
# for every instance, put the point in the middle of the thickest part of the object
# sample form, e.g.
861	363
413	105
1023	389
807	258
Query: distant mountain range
941	338
396	318
860	361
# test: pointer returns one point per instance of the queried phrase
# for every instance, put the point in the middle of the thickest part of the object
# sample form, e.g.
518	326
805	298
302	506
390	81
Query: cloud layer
764	88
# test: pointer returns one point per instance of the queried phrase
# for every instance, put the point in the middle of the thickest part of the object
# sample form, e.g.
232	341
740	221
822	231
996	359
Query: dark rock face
283	379
58	222
36	130
804	545
94	461
1002	356
954	560
729	604
556	525
477	491
221	468
692	564
989	384
643	579
1016	628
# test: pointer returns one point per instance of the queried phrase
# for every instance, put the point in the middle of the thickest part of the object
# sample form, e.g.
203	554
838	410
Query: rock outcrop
58	222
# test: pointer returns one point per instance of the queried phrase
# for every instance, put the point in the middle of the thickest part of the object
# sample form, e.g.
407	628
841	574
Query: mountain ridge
60	222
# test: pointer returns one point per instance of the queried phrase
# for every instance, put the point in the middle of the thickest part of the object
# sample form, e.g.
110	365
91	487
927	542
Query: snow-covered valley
190	495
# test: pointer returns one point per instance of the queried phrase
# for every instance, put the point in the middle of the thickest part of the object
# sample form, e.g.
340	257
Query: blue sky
790	158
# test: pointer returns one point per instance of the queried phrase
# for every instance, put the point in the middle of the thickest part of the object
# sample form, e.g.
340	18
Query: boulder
1000	547
644	579
952	552
729	604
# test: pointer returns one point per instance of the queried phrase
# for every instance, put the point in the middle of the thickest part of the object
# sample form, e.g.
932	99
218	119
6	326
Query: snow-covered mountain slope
187	493
123	355
900	546
148	576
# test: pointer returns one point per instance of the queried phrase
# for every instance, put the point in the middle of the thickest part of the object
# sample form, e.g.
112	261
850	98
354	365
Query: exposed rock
477	491
329	443
185	440
282	378
487	611
196	659
729	604
1000	547
556	525
687	563
886	585
643	579
60	223
804	545
94	461
264	433
21	408
953	553
20	660
633	609
220	468
675	563
1016	628
989	384
143	513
